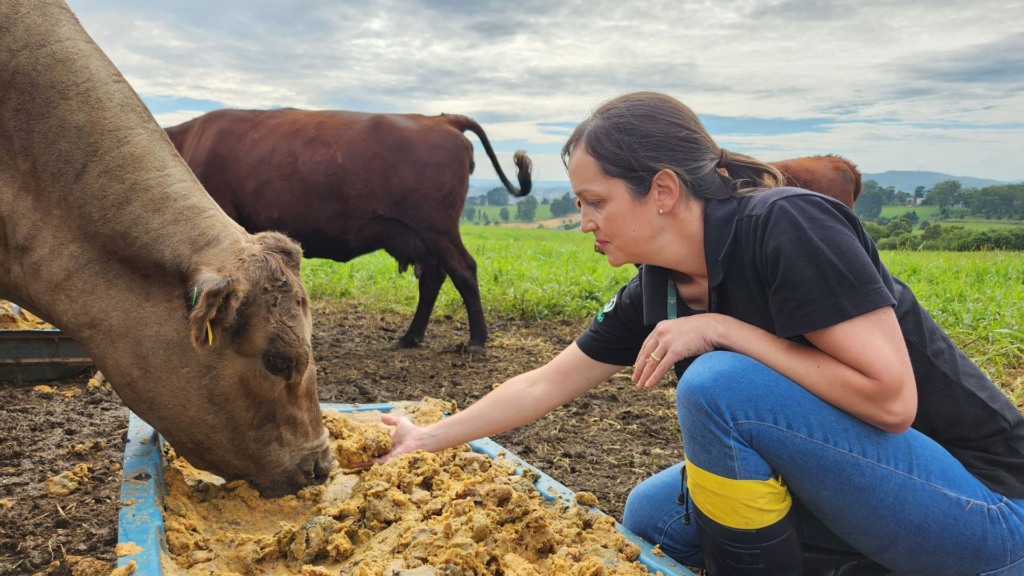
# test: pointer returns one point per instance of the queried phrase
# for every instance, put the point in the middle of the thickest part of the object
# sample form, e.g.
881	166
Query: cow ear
213	301
282	245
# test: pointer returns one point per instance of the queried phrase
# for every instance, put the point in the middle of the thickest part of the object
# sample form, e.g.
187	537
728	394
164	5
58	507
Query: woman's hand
672	341
403	439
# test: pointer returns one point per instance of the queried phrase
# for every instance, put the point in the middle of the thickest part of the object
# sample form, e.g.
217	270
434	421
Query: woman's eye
278	366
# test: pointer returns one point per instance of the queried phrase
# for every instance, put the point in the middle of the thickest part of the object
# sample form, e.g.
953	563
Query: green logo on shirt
607	308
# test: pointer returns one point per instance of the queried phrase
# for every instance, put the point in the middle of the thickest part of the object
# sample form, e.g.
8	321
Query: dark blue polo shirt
791	262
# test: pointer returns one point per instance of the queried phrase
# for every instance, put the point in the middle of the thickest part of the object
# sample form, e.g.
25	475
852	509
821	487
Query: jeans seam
971	502
1003	519
733	438
664	529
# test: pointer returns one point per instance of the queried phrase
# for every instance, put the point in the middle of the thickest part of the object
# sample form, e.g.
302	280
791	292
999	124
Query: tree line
525	209
941	231
1005	201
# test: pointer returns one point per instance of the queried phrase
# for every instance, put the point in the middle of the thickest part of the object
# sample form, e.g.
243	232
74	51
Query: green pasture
977	224
494	213
923	212
524	273
978	298
530	274
930	213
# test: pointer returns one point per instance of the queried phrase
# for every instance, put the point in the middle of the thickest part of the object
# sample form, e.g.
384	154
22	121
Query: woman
821	408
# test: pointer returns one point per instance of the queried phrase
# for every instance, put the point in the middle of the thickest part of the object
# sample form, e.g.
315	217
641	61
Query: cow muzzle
313	466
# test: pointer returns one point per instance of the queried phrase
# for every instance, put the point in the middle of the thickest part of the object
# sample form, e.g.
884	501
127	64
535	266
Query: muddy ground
604	442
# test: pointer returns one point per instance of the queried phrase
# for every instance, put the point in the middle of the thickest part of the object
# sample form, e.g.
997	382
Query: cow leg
431	278
461	267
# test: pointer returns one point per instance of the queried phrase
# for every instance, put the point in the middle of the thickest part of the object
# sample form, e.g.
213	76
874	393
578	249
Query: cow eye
278	366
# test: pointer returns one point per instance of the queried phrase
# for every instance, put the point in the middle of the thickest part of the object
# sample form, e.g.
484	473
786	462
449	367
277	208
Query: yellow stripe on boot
742	504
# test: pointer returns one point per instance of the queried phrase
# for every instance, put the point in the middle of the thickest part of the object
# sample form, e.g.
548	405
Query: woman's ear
665	189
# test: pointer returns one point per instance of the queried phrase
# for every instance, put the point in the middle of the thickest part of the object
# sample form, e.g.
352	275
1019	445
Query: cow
344	184
829	174
202	329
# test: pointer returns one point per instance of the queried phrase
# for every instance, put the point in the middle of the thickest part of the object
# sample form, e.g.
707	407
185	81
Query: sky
932	85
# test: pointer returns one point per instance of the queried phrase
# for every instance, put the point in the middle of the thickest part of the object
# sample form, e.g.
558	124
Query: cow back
830	175
341	183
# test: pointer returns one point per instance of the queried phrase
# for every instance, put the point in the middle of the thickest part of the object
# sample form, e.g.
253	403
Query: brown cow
830	175
348	183
202	329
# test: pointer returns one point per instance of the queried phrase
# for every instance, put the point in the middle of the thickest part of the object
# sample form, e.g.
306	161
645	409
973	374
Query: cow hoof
409	341
475	349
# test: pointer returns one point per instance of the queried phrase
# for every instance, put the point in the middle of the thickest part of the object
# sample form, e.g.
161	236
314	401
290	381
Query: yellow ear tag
209	332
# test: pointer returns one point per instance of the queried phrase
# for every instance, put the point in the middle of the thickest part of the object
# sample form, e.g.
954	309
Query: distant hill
908	181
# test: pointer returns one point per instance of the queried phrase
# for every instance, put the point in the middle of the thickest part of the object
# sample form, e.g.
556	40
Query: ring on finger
654	358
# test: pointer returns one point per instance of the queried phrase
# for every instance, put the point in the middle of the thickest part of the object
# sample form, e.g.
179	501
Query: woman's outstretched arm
519	400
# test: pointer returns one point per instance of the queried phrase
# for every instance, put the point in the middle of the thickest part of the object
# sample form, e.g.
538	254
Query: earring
661	210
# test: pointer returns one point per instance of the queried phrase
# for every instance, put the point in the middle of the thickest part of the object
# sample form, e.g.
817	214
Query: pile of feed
14	317
452	513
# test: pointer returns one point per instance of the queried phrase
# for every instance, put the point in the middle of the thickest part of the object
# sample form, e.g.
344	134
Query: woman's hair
636	135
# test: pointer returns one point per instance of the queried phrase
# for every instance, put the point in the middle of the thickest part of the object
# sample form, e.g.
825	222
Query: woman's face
622	225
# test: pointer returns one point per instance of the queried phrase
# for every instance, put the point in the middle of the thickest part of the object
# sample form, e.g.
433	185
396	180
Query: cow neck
104	223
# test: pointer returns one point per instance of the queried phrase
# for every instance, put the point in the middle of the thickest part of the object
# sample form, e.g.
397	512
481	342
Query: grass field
494	215
923	212
930	212
532	274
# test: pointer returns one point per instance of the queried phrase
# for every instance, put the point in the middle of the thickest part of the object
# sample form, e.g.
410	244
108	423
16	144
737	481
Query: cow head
250	327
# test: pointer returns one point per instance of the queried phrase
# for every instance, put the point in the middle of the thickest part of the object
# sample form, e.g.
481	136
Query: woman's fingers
648	369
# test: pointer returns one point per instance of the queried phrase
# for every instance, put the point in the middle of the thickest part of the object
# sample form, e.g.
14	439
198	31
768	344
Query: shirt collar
720	218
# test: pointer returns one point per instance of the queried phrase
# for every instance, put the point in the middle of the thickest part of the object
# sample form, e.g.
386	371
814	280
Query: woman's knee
710	377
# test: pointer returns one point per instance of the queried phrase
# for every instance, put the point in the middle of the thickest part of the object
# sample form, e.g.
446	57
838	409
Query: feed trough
32	350
33	355
141	531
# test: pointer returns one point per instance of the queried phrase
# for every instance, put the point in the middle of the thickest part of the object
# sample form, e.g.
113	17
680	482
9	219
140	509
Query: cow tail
523	163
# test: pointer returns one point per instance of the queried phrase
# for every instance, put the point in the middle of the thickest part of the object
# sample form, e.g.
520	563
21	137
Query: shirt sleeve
617	332
820	266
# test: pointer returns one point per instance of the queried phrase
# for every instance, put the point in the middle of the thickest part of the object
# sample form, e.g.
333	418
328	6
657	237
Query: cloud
995	65
941	80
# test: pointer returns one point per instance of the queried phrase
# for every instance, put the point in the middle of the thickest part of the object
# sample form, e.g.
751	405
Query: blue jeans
900	499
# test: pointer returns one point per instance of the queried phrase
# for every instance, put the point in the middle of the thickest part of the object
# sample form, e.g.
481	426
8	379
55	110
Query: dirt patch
603	443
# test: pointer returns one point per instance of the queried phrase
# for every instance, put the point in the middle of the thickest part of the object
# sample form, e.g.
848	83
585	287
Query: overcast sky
933	85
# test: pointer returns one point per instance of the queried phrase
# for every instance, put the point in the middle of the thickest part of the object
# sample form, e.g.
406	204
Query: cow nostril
322	466
316	466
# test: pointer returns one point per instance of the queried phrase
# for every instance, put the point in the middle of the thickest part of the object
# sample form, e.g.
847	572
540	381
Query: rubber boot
827	562
773	550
